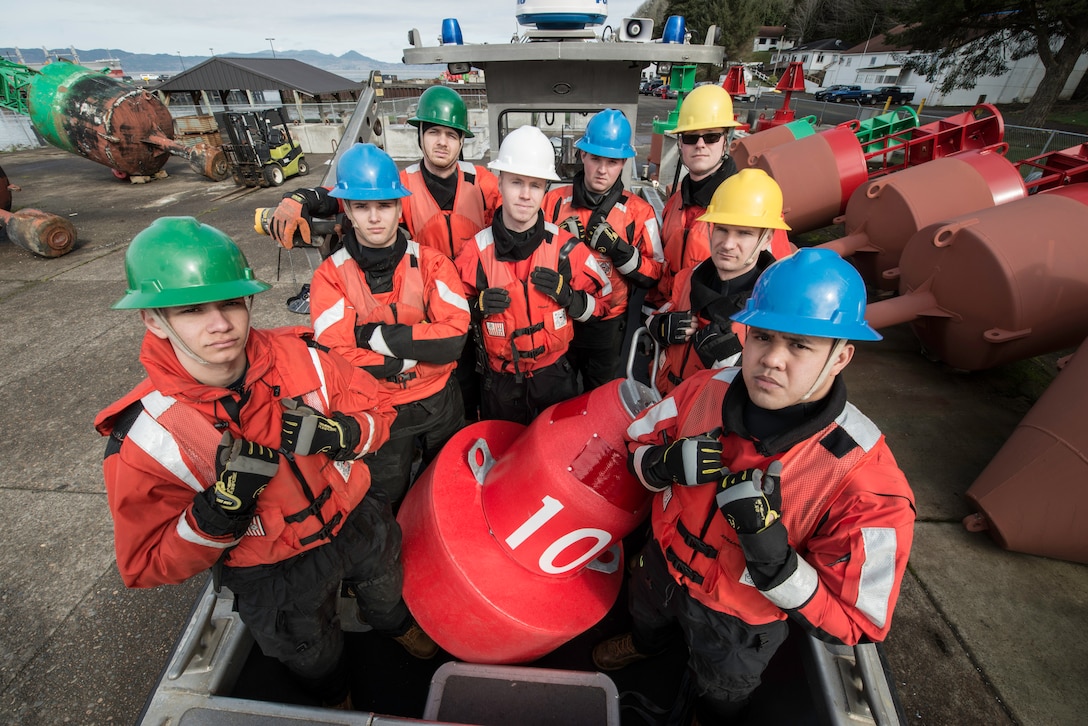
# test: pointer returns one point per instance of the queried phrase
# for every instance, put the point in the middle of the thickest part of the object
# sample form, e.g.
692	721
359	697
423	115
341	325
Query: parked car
896	93
650	87
745	97
824	93
851	95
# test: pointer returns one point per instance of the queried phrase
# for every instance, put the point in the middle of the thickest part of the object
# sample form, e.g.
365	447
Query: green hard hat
179	261
442	106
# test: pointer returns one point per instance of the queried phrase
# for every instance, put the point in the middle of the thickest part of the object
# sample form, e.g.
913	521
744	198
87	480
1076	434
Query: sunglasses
692	139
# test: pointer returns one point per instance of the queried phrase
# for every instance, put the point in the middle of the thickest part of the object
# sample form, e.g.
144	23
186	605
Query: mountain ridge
166	63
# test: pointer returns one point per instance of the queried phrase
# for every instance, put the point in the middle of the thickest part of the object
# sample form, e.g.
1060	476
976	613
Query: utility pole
871	29
271	46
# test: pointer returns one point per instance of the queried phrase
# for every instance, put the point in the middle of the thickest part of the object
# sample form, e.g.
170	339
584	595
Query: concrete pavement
980	635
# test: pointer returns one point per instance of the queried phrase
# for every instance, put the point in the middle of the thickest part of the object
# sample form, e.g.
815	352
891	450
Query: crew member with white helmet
527	281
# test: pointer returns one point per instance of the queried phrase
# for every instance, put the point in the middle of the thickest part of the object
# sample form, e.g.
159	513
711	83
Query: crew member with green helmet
451	199
240	452
775	498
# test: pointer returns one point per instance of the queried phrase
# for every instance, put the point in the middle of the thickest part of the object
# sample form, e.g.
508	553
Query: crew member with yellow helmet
702	135
694	326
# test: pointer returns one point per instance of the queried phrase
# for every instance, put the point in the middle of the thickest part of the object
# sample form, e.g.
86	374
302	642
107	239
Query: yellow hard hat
706	107
749	198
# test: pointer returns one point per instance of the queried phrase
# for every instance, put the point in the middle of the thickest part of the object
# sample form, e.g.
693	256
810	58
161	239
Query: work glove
493	300
751	500
364	332
670	328
573	224
291	221
603	238
243	470
689	461
552	284
713	344
305	432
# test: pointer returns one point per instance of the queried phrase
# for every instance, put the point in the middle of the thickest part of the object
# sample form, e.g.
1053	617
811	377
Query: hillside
164	63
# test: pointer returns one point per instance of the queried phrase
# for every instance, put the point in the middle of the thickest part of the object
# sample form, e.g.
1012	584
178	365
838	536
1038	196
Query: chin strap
840	343
158	317
764	243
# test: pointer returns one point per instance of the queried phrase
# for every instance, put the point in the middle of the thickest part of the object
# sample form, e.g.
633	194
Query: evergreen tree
738	20
966	39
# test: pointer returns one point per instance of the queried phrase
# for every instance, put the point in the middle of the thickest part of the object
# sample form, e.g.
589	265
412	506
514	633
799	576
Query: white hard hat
526	151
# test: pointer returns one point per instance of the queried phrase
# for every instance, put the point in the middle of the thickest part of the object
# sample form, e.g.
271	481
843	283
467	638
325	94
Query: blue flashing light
675	30
451	32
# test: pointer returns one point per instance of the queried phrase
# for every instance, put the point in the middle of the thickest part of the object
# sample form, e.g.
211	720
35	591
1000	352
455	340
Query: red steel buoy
512	535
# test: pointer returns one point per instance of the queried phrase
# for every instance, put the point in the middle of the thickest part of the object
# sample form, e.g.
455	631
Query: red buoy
511	537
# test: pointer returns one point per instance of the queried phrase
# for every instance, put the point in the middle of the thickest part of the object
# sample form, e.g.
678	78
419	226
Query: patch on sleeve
256	527
746	578
496	329
344	467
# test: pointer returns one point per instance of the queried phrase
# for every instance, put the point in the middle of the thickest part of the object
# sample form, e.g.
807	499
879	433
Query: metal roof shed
294	80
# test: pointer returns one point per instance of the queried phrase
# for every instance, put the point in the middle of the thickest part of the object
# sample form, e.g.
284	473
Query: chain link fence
1025	141
389	110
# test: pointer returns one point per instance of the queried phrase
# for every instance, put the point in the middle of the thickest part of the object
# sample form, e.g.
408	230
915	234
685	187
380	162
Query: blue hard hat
812	292
608	134
365	172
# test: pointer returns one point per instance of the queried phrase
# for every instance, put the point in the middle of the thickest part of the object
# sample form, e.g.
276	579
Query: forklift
261	150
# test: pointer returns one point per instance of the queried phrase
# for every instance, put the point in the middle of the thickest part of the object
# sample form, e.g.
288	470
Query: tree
804	18
738	20
962	41
654	9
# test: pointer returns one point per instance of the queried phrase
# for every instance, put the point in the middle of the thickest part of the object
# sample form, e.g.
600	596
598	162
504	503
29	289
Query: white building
877	62
771	37
815	57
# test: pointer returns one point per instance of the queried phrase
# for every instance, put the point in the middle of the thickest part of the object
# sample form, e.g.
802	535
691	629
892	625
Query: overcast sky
375	28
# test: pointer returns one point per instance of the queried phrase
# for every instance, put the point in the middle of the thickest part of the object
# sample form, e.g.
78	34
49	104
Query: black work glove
603	238
574	225
364	332
306	432
669	328
689	461
243	470
494	300
713	344
552	284
751	500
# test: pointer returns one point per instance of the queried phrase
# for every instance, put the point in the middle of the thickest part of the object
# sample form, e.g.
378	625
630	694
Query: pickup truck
825	93
875	95
852	94
897	94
